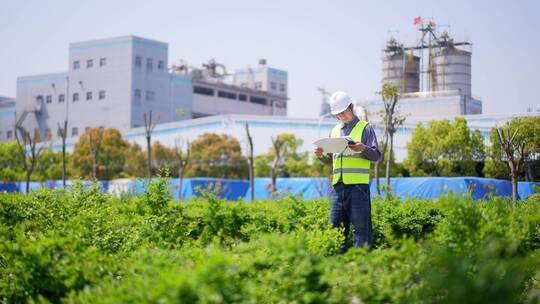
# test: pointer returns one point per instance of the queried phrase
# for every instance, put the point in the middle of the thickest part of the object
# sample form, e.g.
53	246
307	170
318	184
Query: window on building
258	85
149	64
74	131
76	65
88	95
228	95
150	95
89	63
203	91
137	96
273	85
9	134
138	61
161	65
282	87
101	95
39	98
102	62
75	97
48	99
242	97
280	104
61	98
258	100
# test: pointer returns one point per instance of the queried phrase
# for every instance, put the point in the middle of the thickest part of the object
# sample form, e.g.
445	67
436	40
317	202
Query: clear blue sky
336	44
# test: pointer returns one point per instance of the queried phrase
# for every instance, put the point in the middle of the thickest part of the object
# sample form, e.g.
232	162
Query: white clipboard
335	145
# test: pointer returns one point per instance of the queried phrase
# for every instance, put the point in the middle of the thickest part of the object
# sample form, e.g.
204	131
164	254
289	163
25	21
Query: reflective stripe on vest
355	168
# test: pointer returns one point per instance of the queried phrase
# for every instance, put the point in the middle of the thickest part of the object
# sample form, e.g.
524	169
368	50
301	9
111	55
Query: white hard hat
339	102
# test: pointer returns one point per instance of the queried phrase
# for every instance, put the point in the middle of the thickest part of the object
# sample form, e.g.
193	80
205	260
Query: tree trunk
28	173
149	155
63	134
273	193
514	186
64	163
388	160
181	180
251	164
378	164
94	167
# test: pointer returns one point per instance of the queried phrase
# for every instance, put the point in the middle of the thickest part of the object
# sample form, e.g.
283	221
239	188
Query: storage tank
451	70
402	70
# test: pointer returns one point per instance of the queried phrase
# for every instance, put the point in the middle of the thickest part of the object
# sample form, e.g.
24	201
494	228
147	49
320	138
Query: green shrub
84	246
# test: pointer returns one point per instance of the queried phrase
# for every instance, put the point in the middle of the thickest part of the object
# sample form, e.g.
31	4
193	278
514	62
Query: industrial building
113	82
7	118
432	76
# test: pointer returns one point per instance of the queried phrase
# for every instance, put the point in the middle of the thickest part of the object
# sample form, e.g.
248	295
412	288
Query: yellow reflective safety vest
353	167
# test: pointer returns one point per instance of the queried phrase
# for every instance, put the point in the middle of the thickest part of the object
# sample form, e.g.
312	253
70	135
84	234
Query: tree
149	126
251	164
28	151
214	155
392	120
164	157
292	163
62	132
49	166
282	159
376	169
182	158
134	161
444	148
104	160
279	150
11	167
514	149
113	154
396	169
95	137
496	165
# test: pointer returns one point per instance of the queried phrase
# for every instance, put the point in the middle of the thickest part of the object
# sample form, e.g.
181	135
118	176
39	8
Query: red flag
417	20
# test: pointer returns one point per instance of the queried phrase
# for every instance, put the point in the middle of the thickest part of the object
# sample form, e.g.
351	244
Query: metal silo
400	68
451	71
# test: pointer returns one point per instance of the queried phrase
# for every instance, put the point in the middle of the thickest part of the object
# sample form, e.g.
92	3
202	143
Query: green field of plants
84	246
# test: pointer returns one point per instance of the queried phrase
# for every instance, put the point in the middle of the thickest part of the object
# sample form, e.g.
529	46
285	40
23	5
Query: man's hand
319	152
357	147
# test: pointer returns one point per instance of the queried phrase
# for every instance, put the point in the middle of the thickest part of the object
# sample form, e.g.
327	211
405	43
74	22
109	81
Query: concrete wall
114	78
152	79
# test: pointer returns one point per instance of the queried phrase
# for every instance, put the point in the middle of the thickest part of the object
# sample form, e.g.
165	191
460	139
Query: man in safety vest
350	197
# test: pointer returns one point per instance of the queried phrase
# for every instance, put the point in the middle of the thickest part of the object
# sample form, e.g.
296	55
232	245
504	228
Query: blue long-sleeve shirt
369	139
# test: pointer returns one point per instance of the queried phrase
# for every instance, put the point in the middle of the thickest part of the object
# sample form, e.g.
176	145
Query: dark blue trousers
351	204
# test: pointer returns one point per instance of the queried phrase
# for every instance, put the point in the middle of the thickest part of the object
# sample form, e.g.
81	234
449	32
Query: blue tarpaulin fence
307	188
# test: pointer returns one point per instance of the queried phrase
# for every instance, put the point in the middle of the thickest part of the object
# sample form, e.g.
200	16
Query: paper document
334	145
